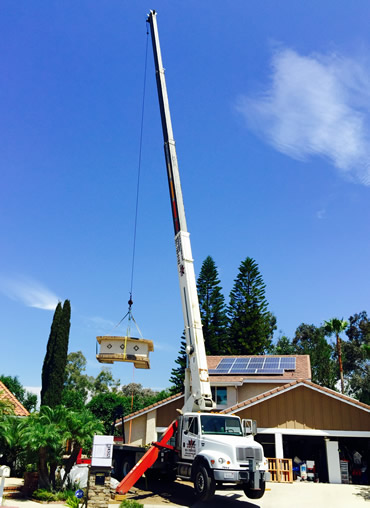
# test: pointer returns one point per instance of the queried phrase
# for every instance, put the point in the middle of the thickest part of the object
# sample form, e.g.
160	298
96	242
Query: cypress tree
178	374
251	324
212	308
53	370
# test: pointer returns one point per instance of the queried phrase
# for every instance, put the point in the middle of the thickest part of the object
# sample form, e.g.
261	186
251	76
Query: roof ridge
263	395
147	408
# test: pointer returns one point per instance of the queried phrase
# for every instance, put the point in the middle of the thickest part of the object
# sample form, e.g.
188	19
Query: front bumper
237	476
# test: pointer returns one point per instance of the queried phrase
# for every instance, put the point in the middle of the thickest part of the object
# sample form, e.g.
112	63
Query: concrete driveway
278	495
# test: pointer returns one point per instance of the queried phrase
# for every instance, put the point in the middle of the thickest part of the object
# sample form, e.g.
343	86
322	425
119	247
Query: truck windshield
212	424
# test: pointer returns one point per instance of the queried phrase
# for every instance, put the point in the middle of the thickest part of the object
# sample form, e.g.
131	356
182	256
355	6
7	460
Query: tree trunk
44	482
53	468
71	460
339	349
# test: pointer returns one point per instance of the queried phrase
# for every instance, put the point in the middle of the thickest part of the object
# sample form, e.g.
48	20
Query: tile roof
6	394
302	370
293	384
152	406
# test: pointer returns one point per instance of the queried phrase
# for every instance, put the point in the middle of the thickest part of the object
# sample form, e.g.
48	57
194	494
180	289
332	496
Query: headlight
221	460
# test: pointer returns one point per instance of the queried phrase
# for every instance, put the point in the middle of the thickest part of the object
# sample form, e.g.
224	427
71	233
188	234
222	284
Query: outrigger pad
125	349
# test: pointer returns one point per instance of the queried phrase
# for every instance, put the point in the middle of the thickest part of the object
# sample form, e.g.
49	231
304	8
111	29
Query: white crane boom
197	387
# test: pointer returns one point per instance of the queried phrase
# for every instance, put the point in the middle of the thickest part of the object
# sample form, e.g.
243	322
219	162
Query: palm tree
334	327
11	435
79	427
43	436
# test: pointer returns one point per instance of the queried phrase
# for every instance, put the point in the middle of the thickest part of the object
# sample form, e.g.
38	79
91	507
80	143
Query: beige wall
304	408
151	433
232	396
249	390
138	431
167	414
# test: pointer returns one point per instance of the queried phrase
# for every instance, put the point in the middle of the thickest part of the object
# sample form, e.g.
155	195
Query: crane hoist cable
130	301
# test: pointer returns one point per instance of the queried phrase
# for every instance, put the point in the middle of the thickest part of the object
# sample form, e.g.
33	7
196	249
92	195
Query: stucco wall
138	431
249	390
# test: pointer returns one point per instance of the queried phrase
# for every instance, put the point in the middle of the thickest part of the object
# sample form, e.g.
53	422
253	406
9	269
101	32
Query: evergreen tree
76	379
356	358
310	340
178	374
212	308
251	324
283	346
53	370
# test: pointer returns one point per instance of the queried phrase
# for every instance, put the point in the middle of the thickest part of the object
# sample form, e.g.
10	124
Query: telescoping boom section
210	449
197	387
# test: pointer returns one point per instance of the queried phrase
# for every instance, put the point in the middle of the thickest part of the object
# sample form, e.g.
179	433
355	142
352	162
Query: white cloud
99	323
316	105
29	292
321	214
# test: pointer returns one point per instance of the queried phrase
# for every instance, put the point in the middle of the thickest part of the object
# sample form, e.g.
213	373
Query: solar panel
237	370
226	361
218	371
256	362
272	362
269	371
266	365
287	363
250	370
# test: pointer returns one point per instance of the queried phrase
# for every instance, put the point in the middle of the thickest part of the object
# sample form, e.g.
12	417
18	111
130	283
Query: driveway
278	495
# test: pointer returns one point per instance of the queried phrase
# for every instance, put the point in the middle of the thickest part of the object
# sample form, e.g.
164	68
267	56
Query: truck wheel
204	485
127	465
252	493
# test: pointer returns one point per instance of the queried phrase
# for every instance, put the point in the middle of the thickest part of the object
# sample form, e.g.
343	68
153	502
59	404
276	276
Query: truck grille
248	453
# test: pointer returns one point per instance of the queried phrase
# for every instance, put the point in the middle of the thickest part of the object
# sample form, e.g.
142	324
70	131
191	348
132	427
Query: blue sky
270	106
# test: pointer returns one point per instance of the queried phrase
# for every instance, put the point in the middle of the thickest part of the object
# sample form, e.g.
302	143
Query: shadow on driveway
182	494
363	492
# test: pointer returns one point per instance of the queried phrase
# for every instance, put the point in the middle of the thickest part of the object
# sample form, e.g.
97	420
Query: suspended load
125	349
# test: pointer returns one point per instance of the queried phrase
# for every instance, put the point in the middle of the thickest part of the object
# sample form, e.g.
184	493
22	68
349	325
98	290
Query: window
217	424
193	427
219	395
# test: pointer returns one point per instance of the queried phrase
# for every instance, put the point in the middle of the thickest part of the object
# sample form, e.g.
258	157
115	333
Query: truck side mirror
249	427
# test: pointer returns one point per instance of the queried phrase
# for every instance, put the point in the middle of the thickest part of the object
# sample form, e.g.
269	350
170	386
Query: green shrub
130	503
44	495
73	502
63	495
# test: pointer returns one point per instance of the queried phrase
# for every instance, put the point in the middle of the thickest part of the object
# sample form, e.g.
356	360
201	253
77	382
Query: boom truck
208	448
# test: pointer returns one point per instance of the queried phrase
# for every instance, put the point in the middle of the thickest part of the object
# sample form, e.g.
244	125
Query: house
296	418
6	395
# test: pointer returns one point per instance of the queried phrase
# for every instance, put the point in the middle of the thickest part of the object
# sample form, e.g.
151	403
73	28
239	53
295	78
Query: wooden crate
280	470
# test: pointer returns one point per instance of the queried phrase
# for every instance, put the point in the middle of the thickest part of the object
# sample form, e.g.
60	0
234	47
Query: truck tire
252	493
204	484
127	465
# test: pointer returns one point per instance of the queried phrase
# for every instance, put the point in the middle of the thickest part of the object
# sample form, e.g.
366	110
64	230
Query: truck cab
217	449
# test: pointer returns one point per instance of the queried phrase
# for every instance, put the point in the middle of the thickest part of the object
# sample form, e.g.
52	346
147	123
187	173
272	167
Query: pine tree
53	370
212	308
251	324
178	374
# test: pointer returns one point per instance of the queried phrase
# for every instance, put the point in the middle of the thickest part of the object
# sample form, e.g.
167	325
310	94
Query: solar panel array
264	366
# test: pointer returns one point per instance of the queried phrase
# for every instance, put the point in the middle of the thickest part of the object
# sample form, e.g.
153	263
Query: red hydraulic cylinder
146	461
